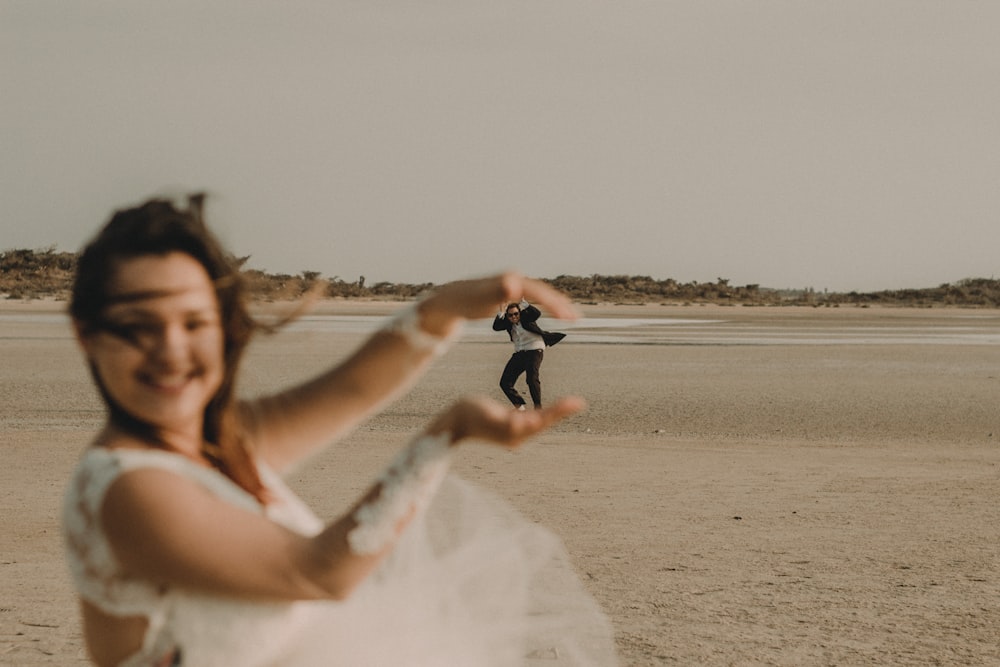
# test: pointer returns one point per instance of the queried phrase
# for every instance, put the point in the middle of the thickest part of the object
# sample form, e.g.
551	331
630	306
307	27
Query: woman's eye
194	325
130	331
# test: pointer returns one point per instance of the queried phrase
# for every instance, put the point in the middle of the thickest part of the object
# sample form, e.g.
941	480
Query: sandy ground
726	503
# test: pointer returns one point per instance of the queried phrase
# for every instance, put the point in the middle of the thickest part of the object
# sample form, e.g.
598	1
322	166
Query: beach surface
749	486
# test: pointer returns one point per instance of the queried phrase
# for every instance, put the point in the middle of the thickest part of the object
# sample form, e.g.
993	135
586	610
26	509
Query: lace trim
406	323
408	484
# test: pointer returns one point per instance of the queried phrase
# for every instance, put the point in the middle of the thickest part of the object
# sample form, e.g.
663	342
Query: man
519	320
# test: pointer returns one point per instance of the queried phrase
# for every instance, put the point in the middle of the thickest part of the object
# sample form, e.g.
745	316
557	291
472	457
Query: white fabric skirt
471	583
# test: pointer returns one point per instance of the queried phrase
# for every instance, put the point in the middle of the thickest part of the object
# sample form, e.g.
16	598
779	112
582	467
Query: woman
188	549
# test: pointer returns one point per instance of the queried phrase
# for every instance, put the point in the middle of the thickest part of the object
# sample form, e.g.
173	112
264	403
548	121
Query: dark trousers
528	362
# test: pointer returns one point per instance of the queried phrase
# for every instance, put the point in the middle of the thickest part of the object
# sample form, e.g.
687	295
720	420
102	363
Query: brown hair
157	227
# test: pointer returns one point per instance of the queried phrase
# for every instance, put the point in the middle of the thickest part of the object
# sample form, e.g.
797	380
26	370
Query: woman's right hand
478	298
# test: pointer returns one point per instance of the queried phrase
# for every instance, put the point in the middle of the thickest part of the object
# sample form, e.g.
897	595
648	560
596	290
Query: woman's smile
169	384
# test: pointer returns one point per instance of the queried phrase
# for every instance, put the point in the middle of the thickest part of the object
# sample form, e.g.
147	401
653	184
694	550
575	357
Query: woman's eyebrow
139	295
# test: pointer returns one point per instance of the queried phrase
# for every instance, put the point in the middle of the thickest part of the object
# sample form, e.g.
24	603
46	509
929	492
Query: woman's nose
172	343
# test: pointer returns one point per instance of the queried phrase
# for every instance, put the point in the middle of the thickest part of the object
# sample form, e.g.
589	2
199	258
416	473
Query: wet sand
770	486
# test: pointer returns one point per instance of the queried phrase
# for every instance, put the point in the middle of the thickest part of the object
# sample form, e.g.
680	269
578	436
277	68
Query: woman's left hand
479	418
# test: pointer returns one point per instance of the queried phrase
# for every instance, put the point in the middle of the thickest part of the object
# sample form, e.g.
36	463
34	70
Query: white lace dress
470	583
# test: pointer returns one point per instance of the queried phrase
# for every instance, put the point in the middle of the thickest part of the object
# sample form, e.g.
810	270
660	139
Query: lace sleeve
408	484
92	564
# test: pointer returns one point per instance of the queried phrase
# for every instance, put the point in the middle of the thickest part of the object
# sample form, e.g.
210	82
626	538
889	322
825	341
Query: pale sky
841	145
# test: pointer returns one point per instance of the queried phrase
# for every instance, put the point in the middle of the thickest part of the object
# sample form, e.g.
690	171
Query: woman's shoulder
116	460
99	467
102	466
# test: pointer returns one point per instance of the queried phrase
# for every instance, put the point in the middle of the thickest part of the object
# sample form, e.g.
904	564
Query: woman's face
159	350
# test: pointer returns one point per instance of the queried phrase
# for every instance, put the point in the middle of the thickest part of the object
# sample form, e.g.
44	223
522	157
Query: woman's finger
556	303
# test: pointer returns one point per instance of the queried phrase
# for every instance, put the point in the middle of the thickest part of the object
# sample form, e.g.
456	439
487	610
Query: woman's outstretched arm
293	424
169	529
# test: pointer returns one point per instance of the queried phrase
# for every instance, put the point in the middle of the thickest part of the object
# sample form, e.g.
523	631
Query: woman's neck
187	444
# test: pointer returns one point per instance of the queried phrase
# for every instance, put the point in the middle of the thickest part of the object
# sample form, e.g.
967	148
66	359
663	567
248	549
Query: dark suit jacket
529	319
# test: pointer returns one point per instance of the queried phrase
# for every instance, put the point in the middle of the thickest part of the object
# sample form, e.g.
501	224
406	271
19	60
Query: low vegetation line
46	273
